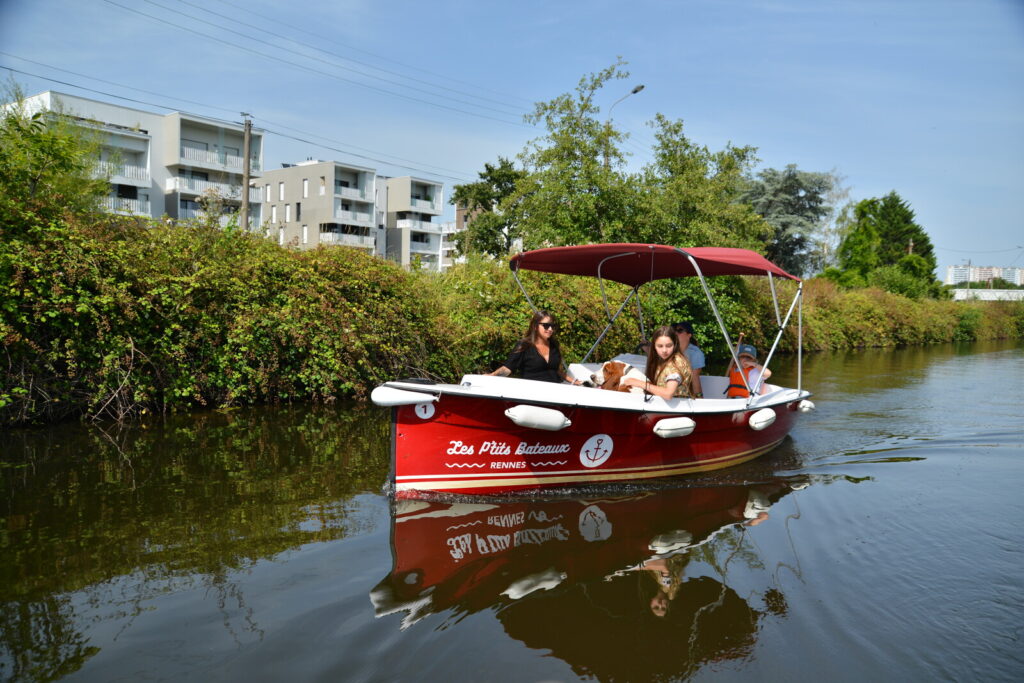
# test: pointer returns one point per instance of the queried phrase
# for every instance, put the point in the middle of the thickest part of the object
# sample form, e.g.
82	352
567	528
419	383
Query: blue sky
922	97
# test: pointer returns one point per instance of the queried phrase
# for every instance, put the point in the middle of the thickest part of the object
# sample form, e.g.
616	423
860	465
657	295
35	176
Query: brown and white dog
612	373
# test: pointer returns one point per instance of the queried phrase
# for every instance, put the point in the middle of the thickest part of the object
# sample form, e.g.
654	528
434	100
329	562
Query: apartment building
412	204
162	164
968	273
322	202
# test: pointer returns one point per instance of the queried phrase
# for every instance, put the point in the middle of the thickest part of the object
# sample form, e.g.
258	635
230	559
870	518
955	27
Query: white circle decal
594	524
425	411
596	450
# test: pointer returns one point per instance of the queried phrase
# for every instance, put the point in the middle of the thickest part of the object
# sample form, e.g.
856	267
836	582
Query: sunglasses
548	326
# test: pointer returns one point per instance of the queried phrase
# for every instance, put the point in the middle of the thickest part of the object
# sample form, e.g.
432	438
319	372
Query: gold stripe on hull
580	476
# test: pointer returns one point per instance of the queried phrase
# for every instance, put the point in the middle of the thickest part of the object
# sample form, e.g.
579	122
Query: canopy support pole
611	321
515	276
782	328
718	317
775	299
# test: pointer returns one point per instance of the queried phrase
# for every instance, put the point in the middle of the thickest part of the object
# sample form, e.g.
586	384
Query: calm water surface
882	541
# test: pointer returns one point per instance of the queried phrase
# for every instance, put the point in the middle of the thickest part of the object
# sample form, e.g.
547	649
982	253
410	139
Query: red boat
474	556
490	435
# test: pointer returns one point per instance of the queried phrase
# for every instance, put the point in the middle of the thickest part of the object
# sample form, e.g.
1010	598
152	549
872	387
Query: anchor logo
594	524
596	450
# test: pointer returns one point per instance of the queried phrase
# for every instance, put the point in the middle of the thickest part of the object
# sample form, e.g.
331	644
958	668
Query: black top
531	365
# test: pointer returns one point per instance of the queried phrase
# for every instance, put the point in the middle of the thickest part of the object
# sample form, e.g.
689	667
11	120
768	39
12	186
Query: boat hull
468	444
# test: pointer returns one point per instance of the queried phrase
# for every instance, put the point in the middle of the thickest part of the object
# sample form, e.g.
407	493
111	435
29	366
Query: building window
305	187
280	235
298	211
266	197
421	237
287	212
273	213
305	234
323	185
280	192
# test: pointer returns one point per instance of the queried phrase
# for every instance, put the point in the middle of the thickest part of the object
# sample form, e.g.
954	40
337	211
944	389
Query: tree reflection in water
619	587
96	521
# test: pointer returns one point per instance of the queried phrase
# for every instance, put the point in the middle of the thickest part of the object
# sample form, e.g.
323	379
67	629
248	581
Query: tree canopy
794	203
489	228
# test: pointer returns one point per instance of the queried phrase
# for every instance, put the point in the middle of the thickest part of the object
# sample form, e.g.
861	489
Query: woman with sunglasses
537	355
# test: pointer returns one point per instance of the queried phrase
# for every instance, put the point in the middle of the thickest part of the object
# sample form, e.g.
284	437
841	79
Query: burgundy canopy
635	264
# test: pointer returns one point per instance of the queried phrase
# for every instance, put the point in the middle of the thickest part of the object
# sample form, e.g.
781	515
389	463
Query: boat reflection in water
617	586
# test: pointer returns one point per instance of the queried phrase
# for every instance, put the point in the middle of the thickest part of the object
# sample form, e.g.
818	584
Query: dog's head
610	374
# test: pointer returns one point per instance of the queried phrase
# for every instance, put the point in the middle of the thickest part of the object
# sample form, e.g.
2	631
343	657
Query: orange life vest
736	388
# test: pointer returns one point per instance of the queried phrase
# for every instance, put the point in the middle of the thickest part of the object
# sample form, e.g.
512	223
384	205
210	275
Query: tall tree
569	195
490	229
48	164
690	193
898	230
793	203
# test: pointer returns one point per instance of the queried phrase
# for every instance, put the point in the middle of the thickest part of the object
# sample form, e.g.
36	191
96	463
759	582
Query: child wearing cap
747	355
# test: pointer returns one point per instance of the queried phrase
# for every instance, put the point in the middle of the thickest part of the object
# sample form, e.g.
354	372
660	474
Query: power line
975	251
249	10
310	69
234	20
318	59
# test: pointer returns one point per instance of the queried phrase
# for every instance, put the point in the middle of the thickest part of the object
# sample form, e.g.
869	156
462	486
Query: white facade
323	202
412	235
968	273
160	164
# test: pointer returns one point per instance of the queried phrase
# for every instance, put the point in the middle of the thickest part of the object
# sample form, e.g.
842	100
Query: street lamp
608	123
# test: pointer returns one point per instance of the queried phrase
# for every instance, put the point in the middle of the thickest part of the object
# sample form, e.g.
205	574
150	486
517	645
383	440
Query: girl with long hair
668	371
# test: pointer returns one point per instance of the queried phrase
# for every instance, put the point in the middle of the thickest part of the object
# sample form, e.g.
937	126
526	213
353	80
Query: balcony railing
354	217
122	205
197	186
126	171
419	226
205	156
351	193
223	220
366	242
425	205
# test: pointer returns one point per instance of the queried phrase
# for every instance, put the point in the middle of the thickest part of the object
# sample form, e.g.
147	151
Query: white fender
761	419
805	406
389	396
536	417
672	427
545	580
671	541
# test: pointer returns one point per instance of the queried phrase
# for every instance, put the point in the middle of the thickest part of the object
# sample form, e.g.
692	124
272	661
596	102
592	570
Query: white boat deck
531	391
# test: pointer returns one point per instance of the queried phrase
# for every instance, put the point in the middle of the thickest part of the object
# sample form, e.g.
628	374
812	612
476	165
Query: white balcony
352	193
419	226
425	205
348	240
192	156
355	218
123	174
192	214
135	207
197	187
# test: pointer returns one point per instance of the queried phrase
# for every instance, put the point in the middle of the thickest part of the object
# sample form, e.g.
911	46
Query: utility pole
246	144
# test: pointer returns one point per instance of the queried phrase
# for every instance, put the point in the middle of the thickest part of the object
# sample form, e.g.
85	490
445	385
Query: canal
882	541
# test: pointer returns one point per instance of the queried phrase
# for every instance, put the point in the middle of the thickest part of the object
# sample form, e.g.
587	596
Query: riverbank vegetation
112	317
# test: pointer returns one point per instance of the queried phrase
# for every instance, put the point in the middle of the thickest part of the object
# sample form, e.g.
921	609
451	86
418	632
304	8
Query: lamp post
608	123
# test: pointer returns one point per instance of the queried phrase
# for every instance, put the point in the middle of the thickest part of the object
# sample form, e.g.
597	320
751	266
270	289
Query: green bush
112	318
